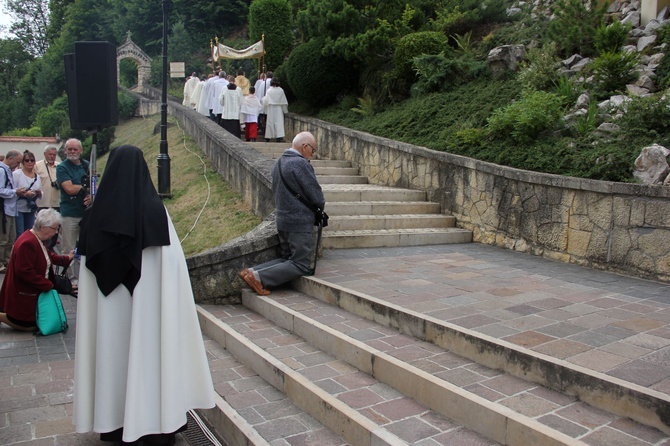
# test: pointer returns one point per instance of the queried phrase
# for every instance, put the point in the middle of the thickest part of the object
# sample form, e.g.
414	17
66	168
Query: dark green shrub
128	73
612	71
611	38
274	19
439	72
460	16
663	70
649	116
33	131
281	75
566	89
524	119
414	45
315	78
575	25
54	119
541	70
127	105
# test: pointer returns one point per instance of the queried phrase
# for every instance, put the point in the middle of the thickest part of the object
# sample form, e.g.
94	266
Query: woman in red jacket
29	272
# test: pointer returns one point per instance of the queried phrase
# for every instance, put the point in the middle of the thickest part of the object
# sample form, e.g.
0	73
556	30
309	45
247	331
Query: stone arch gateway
130	50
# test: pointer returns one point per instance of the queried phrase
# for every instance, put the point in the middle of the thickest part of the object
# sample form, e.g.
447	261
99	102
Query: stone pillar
650	9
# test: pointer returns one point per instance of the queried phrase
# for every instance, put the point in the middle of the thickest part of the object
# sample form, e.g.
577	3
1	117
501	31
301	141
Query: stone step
341	179
612	397
371	222
329	163
352	404
336	170
453	386
262	145
381	207
394	237
369	192
273	415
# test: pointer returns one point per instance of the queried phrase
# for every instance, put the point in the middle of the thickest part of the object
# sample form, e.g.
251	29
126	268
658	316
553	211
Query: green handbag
49	314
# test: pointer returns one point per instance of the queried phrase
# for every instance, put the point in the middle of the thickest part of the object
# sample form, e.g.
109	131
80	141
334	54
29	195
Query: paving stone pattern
270	412
557	411
605	322
36	385
378	402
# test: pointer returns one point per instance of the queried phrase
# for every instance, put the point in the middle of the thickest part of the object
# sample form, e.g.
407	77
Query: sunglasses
28	160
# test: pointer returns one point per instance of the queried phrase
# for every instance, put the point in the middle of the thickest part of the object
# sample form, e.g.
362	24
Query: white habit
189	86
275	105
195	97
140	360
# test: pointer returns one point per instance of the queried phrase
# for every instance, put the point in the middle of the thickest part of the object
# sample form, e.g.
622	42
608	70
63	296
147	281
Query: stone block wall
214	273
613	226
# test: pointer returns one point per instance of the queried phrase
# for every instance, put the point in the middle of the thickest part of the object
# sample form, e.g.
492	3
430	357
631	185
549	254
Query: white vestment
217	89
260	89
231	103
140	361
189	86
203	104
275	105
195	97
251	108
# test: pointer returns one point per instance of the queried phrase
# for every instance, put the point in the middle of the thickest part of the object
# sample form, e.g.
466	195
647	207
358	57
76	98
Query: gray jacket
292	215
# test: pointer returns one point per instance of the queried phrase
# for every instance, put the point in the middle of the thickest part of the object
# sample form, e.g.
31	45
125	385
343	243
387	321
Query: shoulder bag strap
311	206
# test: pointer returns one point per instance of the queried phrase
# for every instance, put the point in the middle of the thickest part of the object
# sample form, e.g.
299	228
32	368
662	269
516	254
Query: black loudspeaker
92	85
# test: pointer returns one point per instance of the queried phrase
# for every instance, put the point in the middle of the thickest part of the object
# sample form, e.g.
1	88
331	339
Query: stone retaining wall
614	226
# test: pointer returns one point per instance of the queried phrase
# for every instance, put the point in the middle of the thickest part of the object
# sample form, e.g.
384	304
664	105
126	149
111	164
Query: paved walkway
606	322
602	321
36	384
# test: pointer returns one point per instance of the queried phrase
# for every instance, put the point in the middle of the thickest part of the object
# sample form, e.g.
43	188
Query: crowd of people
234	104
140	360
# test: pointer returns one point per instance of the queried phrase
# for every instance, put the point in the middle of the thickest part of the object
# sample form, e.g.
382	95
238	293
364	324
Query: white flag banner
255	51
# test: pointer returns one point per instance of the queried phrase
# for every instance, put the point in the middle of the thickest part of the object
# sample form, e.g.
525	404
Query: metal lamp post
163	157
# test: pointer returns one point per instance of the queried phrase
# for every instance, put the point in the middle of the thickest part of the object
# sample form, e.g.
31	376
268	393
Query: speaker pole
92	168
163	157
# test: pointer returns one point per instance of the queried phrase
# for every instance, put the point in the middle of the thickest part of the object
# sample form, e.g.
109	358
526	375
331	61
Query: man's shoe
248	276
3	269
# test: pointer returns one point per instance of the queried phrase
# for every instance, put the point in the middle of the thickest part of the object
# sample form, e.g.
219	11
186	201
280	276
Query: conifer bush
414	45
315	78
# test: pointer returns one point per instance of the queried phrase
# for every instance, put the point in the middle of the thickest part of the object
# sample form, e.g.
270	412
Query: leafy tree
205	20
272	18
54	119
31	20
14	62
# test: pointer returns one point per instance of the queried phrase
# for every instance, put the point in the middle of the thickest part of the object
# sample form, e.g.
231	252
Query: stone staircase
366	216
324	365
321	364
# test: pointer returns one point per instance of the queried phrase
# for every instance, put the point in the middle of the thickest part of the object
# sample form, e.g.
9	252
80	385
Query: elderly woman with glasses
27	177
30	272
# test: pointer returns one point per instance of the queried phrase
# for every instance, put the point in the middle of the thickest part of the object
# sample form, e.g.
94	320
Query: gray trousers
297	254
7	239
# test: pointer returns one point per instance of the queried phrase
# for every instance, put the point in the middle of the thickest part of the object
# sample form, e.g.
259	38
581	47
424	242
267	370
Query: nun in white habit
140	362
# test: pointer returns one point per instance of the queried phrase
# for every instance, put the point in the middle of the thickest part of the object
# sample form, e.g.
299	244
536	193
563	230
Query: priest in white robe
275	106
203	103
189	86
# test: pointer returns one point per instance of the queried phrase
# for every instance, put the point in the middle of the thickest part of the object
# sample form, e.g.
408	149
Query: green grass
225	216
